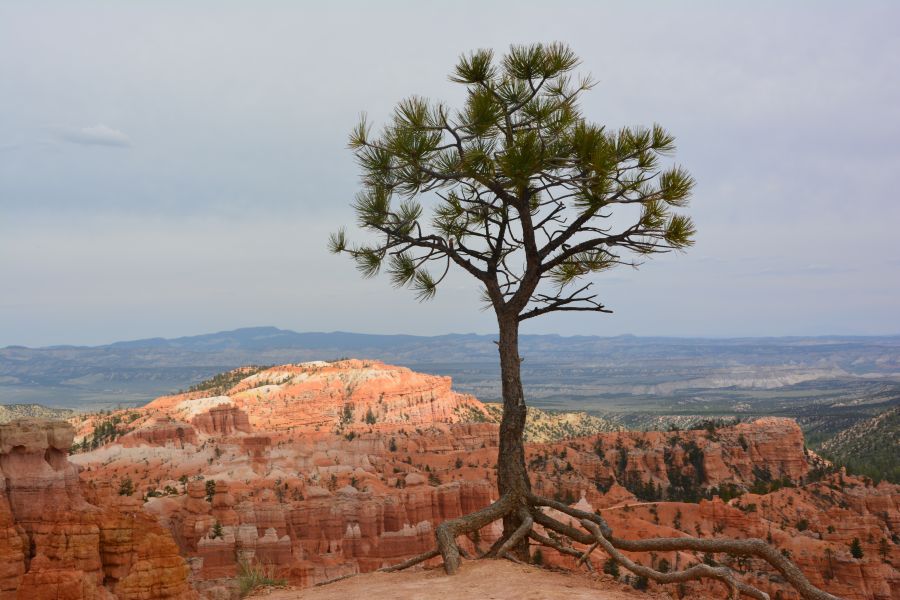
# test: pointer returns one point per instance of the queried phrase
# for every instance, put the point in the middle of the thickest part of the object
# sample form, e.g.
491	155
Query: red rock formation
12	547
61	546
159	431
223	420
814	521
342	395
351	465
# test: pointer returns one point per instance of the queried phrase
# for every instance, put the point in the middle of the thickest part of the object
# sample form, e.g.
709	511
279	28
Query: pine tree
210	489
126	487
856	550
884	549
524	190
217	531
521	192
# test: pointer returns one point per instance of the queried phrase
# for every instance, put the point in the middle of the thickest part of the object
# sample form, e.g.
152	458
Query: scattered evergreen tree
210	489
884	549
663	566
217	531
126	487
856	550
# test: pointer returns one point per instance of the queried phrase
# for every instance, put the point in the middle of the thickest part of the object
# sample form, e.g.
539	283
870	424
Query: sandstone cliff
326	469
54	544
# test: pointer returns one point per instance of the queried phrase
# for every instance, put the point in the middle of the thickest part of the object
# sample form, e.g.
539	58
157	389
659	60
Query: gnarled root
551	543
519	534
447	531
750	547
597	533
698	571
412	561
597	526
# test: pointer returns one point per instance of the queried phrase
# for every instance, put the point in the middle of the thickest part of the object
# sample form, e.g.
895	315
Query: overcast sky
172	168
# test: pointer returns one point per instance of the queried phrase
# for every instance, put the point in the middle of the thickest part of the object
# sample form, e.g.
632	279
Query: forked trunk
512	476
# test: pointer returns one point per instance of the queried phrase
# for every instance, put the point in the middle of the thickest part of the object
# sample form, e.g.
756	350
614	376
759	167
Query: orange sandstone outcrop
159	431
322	470
223	420
318	395
57	545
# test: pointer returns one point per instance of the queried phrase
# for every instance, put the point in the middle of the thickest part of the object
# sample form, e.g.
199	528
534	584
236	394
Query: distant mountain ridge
558	368
269	337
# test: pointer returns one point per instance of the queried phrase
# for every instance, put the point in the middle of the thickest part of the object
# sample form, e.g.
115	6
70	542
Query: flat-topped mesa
321	396
55	544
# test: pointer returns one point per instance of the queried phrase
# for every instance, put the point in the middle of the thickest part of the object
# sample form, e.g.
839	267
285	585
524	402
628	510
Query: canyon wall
54	544
322	470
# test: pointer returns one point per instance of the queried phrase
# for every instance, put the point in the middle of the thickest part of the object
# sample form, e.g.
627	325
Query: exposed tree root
411	562
535	500
698	571
492	551
587	554
509	556
447	532
596	533
749	547
551	543
519	534
335	580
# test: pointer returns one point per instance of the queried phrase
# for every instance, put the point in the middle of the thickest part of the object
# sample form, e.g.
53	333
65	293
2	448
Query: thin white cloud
98	135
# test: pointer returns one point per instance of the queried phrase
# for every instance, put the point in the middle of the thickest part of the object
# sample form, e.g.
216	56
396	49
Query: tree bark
512	476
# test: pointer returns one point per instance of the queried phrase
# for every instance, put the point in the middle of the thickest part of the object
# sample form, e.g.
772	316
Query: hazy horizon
171	171
452	333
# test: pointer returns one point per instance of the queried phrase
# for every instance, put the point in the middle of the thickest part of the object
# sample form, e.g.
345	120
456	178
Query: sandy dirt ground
482	580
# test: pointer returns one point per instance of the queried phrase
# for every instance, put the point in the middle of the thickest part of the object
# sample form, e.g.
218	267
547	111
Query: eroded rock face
345	467
344	394
55	544
160	431
812	517
223	420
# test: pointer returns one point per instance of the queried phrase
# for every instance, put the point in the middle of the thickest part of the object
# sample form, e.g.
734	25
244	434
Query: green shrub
254	575
611	567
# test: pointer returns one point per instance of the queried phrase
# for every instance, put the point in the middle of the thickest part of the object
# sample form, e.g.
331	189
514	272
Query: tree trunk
512	476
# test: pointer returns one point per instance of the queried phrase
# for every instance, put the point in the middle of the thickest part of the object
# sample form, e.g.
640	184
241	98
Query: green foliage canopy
522	191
